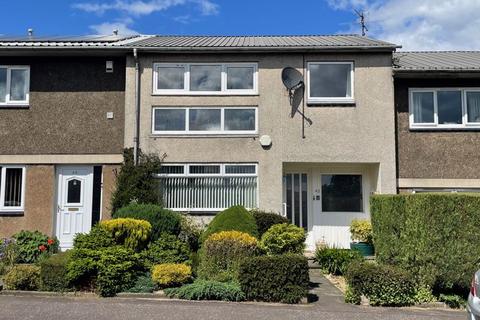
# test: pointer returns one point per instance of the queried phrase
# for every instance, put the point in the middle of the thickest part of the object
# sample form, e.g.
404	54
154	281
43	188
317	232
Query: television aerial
293	81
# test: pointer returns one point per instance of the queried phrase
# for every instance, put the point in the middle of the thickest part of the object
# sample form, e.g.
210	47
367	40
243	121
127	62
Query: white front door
338	198
74	203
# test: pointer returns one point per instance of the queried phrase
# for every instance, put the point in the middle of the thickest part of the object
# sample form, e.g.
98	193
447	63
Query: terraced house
218	109
305	126
61	125
437	103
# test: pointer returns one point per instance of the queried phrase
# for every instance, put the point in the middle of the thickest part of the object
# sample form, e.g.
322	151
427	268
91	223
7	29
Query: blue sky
426	24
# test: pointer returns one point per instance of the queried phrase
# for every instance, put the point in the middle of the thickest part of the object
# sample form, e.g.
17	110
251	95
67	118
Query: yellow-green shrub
361	230
132	233
171	274
222	253
23	277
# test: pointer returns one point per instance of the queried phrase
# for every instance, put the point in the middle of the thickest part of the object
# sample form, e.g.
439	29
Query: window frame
186	78
465	125
362	185
222	130
332	100
7	209
9	102
186	170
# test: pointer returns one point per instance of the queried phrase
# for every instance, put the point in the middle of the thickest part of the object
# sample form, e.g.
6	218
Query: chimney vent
30	32
115	32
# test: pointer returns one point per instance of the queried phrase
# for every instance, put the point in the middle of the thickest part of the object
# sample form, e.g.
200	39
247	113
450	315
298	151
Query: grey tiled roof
95	41
437	61
260	42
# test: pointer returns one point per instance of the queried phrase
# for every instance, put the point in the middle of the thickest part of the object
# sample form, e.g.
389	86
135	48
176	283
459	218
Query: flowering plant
32	244
8	254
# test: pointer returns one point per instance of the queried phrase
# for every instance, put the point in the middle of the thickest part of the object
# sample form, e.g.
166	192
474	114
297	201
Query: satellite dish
293	81
292	78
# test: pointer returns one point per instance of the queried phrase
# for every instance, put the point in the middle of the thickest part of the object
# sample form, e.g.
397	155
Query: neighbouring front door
74	203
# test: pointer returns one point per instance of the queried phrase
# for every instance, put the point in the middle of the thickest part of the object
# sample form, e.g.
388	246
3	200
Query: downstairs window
208	187
12	188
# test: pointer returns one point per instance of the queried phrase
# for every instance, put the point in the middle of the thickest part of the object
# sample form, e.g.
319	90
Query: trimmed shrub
454	301
108	270
161	219
283	238
434	236
131	233
137	183
336	261
234	218
97	238
207	290
167	249
282	278
143	284
53	272
190	232
361	231
171	274
22	277
383	285
265	220
222	253
32	244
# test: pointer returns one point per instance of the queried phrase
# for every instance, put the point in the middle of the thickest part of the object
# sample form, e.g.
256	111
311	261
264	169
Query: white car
473	305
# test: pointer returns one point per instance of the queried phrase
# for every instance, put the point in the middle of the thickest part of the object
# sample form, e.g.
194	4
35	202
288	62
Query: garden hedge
434	236
282	278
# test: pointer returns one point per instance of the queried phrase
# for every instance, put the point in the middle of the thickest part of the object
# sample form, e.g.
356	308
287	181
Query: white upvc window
12	188
205	120
205	78
14	85
444	108
208	186
330	82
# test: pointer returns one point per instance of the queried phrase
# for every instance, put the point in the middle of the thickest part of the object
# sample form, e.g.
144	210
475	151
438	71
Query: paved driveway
52	308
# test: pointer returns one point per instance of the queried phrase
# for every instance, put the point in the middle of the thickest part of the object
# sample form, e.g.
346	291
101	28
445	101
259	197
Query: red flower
42	248
50	242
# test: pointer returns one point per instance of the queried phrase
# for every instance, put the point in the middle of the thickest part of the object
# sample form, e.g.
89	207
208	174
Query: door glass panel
288	186
296	198
304	202
74	188
342	193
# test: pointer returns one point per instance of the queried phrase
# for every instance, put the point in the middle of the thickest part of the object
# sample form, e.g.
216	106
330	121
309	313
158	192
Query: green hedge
265	220
383	285
282	278
53	272
207	290
435	236
234	218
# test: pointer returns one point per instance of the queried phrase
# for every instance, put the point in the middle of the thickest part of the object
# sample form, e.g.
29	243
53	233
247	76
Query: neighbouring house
62	126
217	107
437	103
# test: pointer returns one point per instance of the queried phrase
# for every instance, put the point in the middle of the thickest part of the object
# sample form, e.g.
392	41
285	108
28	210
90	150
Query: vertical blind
208	193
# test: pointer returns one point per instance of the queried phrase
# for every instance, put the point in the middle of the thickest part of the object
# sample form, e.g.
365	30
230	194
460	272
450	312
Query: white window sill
445	128
313	101
205	93
204	135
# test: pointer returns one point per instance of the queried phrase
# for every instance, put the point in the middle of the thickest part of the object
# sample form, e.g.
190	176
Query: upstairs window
14	85
205	78
12	188
204	120
444	108
330	82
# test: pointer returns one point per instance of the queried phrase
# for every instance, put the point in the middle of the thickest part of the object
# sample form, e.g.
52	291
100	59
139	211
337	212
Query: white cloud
425	25
139	7
185	19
